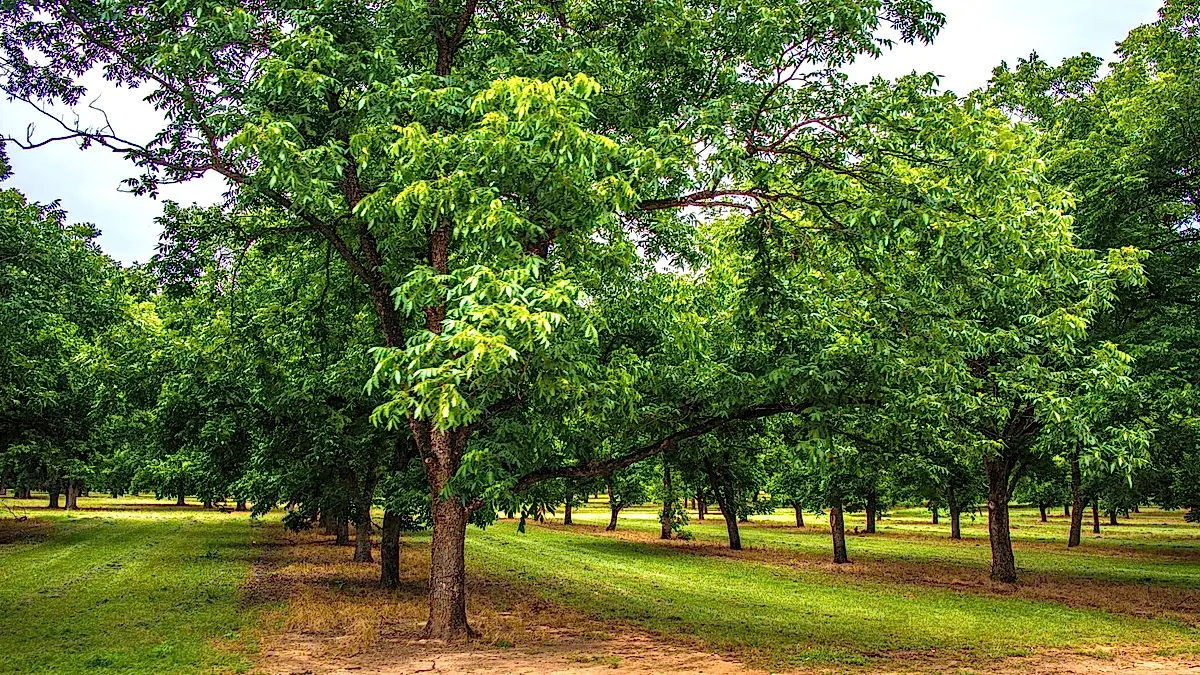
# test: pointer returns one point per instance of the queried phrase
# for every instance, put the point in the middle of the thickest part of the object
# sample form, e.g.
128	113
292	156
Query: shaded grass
776	615
136	591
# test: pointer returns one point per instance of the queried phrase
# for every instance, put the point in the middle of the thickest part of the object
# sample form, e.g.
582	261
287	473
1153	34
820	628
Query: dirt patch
22	530
324	614
1141	600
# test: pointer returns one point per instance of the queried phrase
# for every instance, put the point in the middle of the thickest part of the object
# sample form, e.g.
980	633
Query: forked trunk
731	521
1004	564
1076	504
1095	516
389	552
837	526
872	509
799	514
362	539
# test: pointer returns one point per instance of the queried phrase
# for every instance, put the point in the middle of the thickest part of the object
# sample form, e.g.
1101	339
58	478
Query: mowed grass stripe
153	595
791	616
1152	565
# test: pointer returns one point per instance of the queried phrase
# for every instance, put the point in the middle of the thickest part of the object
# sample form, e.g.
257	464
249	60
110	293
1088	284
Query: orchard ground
136	586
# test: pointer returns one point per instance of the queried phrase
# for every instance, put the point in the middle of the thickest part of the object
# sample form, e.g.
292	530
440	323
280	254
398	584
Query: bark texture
999	472
837	526
389	552
1076	504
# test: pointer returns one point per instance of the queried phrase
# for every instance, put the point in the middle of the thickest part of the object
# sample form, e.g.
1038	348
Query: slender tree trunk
567	508
837	526
72	496
1112	518
1004	564
362	538
668	503
730	516
613	509
799	514
935	509
343	531
1067	510
389	552
1096	516
1042	511
1076	503
241	505
872	507
701	508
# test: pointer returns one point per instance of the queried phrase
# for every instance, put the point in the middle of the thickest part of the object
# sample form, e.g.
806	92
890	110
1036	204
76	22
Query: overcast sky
977	36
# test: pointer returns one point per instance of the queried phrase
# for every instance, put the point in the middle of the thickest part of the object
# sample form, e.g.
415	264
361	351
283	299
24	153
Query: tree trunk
343	531
362	538
731	521
389	552
1076	504
208	503
1004	564
567	509
935	509
955	522
54	497
837	526
241	505
1067	510
1112	518
1096	516
1136	509
448	570
872	507
799	514
1042	511
668	508
613	509
179	500
701	508
72	496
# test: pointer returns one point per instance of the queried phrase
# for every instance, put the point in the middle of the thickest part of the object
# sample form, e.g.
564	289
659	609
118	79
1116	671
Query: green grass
123	591
785	616
1152	547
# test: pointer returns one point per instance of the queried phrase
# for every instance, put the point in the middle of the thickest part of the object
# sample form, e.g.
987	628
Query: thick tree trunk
1096	516
872	509
447	571
1004	564
362	538
955	522
668	507
567	509
837	526
241	505
799	514
179	501
1112	518
208	503
72	496
1042	511
1067	510
731	521
389	552
1076	504
342	530
54	497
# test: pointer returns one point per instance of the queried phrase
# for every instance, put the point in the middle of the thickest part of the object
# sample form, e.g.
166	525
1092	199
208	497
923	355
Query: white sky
977	36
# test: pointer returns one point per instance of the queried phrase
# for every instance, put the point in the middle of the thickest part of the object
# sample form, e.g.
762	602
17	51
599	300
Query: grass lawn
129	589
